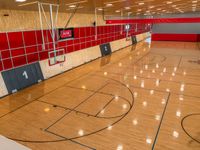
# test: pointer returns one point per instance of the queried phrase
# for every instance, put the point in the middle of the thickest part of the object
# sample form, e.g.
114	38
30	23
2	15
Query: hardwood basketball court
99	75
144	98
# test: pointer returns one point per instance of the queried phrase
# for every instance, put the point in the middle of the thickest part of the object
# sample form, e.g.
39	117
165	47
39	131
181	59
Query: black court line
104	106
176	55
60	140
88	134
166	91
140	87
182	125
76	106
179	62
41	96
143	77
153	63
99	92
71	140
139	66
159	126
115	121
87	114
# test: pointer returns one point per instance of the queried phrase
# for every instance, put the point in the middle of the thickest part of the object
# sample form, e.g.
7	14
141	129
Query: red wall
198	38
175	37
25	47
154	20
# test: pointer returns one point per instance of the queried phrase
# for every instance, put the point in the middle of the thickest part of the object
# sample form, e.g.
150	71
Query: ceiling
113	7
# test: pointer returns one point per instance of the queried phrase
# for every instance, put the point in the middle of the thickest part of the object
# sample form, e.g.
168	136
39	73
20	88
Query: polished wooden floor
145	96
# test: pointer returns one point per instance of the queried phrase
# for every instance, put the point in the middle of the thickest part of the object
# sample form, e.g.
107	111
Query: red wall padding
198	38
24	47
174	37
155	20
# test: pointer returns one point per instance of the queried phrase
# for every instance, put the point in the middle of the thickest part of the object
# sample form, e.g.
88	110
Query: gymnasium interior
100	75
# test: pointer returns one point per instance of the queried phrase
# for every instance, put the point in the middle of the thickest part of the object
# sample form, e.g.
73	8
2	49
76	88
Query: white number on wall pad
25	74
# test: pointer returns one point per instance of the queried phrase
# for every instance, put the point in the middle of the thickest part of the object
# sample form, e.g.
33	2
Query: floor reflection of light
181	97
135	122
184	73
142	84
146	67
178	113
153	71
105	73
164	69
135	77
168	90
83	87
124	106
110	127
141	71
157	117
157	82
135	94
81	132
127	85
175	68
102	111
163	101
175	134
47	109
151	92
182	87
120	147
148	140
157	65
120	64
161	74
144	103
173	74
116	97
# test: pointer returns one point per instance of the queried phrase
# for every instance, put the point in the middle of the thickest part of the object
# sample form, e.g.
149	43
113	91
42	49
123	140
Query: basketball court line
138	88
188	83
75	107
104	127
165	91
42	95
73	141
67	82
38	141
182	125
179	62
104	106
160	124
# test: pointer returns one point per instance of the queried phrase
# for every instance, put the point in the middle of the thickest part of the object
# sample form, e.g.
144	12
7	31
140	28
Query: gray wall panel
187	28
22	77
